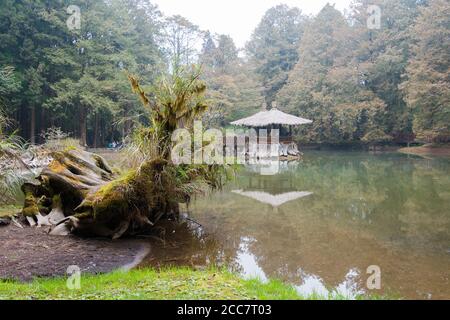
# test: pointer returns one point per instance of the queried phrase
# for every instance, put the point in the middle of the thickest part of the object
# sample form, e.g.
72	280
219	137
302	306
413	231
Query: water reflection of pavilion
274	190
274	200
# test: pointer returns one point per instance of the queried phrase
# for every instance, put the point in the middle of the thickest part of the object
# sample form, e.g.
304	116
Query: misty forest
93	91
356	84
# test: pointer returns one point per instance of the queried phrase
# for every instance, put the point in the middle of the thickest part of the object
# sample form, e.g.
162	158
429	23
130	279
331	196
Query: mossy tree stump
79	193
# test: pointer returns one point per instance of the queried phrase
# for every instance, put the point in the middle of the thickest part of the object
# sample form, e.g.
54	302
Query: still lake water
320	223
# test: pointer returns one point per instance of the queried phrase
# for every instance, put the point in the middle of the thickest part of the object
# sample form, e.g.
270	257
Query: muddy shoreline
428	150
30	253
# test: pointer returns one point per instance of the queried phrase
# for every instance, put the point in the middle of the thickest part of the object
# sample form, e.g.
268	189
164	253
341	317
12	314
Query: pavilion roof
270	117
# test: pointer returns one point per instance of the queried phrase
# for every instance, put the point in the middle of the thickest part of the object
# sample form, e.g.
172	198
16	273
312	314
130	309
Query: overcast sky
237	18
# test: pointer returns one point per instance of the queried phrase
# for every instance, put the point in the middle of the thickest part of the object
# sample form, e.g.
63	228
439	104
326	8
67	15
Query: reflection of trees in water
426	214
185	244
364	208
382	194
277	245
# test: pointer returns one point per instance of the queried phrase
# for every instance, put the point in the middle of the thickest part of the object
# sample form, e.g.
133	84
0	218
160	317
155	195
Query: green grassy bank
176	283
6	211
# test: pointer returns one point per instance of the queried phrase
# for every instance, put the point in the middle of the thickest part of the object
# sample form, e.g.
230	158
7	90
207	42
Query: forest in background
357	84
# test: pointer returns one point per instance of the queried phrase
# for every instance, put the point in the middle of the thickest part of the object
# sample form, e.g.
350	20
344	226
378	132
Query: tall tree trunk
127	128
33	125
42	123
127	124
102	132
83	126
96	130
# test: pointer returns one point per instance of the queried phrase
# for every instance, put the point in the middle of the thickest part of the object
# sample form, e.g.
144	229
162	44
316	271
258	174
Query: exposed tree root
79	193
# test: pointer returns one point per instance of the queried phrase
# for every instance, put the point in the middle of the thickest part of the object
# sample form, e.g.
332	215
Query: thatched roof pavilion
271	117
270	120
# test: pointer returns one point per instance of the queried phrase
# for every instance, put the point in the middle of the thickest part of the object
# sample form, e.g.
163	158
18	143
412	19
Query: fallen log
79	193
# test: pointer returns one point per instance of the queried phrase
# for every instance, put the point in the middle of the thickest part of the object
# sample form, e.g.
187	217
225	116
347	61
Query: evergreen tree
233	90
427	86
78	74
382	56
326	87
180	40
273	47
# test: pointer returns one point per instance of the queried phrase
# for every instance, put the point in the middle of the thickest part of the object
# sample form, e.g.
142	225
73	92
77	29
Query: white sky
237	18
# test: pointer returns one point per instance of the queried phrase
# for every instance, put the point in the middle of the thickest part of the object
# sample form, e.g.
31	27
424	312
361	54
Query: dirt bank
428	150
30	252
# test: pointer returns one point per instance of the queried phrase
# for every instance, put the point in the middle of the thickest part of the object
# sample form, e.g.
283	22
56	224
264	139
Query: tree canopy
358	84
273	48
428	72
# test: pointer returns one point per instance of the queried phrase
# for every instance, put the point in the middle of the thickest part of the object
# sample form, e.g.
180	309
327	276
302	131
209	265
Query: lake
320	223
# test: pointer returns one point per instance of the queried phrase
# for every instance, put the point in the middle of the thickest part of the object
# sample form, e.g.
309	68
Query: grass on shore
149	284
6	211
